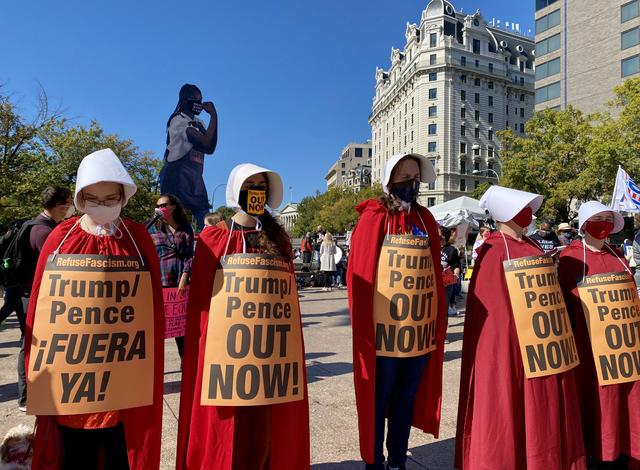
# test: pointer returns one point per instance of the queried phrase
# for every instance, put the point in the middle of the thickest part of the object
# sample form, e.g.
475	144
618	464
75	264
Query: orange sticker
92	336
540	315
612	312
256	199
253	353
405	304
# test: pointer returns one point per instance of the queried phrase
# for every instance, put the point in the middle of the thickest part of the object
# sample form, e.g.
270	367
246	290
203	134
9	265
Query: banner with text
92	336
612	312
405	304
175	311
253	353
540	315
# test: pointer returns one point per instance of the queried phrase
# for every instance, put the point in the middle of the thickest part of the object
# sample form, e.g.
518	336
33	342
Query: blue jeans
397	381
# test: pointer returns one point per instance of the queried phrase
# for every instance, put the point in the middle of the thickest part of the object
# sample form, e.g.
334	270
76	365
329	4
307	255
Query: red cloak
610	413
142	425
366	243
206	433
506	421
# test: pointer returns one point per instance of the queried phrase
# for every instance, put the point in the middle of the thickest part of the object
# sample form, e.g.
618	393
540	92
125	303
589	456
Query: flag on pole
626	194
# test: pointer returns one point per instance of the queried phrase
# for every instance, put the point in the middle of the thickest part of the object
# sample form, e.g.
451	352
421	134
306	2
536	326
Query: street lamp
479	172
213	196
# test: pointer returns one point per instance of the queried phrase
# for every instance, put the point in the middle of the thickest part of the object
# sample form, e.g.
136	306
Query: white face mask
70	211
103	215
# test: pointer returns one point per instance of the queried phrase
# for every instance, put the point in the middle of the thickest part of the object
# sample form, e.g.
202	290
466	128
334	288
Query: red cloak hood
505	420
610	414
366	243
142	425
205	433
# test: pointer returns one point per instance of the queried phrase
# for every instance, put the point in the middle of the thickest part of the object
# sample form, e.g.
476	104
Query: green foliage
334	209
568	156
226	212
48	151
480	190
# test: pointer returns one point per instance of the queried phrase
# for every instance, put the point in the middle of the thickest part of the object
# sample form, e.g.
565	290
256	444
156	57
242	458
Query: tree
480	190
335	209
549	160
47	151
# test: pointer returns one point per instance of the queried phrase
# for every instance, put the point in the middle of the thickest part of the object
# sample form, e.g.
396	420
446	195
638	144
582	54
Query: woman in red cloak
117	439
610	413
268	437
408	390
505	420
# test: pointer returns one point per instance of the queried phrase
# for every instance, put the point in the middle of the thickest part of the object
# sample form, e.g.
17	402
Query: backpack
17	261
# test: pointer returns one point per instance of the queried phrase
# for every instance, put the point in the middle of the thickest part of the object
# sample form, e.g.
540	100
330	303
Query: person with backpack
19	263
12	295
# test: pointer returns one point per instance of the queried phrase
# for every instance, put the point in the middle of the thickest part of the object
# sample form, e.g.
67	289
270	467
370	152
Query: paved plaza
334	436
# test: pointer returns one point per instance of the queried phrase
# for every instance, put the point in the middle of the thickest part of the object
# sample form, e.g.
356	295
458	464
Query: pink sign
175	311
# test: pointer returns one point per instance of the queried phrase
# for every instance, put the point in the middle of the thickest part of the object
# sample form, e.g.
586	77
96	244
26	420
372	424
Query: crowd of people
550	332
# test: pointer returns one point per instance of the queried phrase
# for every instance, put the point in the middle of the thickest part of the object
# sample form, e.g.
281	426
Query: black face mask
253	200
407	191
195	106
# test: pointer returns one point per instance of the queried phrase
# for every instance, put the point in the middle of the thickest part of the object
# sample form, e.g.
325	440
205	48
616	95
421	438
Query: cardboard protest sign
405	304
612	312
175	311
540	315
92	336
253	353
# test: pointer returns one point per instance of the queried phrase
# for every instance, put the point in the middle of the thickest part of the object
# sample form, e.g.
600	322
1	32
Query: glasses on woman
109	202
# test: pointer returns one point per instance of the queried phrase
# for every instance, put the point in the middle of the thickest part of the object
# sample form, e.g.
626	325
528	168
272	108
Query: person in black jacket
450	258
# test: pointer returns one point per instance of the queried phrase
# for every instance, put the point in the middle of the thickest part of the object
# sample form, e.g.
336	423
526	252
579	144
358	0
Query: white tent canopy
459	209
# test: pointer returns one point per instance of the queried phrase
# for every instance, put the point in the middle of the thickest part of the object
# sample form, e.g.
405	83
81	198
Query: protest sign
612	312
540	315
92	336
406	298
253	353
175	311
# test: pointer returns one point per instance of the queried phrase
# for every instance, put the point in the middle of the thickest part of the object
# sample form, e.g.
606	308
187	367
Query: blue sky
292	79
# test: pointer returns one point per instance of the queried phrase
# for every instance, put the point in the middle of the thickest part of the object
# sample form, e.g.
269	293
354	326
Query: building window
431	201
463	95
490	118
463	147
463	130
476	98
490	68
490	152
463	113
548	45
371	151
522	97
476	165
358	152
433	111
476	184
547	69
463	185
476	152
548	21
490	134
540	4
433	76
463	61
463	167
476	82
433	93
433	39
432	147
490	84
549	92
629	11
629	38
522	112
490	101
433	129
521	128
477	115
433	164
476	46
477	132
630	66
521	81
463	79
432	59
